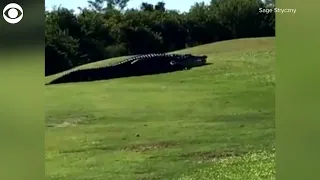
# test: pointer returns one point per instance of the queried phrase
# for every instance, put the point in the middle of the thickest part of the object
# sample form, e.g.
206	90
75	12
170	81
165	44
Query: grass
255	166
211	122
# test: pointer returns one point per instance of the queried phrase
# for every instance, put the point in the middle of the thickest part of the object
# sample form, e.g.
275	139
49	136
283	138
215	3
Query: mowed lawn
214	122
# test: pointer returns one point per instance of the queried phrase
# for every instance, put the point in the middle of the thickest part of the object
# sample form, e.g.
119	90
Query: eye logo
11	12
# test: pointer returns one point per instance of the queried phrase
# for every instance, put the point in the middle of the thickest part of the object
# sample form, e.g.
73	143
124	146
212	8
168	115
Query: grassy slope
182	125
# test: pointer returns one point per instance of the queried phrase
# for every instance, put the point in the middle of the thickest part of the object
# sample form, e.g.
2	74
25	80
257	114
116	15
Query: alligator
135	66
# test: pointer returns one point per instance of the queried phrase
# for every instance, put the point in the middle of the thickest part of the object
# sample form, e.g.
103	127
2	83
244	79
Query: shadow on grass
107	72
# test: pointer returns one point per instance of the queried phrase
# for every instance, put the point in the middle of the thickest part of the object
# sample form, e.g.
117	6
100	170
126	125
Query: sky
181	5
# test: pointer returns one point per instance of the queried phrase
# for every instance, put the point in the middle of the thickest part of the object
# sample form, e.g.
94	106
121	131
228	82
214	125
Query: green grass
255	166
210	122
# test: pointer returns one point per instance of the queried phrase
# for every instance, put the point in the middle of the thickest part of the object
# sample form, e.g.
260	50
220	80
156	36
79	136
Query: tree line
106	28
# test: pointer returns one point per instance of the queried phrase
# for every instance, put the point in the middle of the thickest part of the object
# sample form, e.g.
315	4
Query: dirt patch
61	125
244	118
210	155
65	124
68	122
150	146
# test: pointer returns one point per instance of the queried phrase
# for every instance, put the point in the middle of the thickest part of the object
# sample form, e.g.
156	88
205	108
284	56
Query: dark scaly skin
135	66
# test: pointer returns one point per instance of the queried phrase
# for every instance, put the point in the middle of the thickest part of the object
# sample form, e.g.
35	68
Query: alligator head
189	61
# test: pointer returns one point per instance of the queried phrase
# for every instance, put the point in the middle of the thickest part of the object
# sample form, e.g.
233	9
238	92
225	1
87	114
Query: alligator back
134	66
